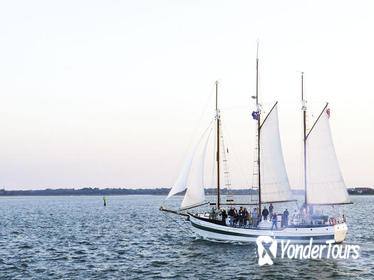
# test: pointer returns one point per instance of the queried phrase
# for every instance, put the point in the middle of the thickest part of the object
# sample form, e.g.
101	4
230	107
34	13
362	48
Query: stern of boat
340	231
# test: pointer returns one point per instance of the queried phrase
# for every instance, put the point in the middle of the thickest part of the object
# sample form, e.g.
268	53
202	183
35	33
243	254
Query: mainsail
275	186
193	181
325	183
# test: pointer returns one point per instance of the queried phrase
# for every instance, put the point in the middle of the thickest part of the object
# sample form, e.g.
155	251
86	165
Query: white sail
325	183
275	186
195	194
181	183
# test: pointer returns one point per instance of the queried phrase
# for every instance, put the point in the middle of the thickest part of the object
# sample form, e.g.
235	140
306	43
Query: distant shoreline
113	191
157	191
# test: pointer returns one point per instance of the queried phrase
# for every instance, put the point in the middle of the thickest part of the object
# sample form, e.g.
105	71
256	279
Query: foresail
275	186
181	183
325	183
195	194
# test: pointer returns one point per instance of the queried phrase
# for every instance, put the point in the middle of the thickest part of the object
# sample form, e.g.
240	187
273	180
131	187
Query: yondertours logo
267	250
263	254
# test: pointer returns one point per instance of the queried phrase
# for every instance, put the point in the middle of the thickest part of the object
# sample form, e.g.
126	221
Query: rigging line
229	108
254	165
180	225
214	160
241	168
196	124
205	148
190	144
187	230
225	163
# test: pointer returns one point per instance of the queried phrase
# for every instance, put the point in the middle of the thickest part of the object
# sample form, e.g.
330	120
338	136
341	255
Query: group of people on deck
274	217
243	217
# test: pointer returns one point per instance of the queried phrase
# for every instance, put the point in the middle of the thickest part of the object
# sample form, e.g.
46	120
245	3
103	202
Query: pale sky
110	93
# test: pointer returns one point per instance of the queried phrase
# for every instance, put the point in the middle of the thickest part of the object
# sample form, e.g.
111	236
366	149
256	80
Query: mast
304	137
218	151
258	137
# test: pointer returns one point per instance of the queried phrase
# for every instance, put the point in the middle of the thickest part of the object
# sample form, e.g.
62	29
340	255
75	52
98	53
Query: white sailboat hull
215	232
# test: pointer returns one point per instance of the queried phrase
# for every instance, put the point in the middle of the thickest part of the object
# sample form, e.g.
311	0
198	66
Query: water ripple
77	238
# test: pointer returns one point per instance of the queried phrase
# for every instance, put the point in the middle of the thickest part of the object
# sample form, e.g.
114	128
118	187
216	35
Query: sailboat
323	183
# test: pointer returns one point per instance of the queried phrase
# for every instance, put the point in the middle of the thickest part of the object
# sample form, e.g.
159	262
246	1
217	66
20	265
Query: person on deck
236	217
231	215
275	220
265	213
271	208
241	216
245	216
224	216
285	218
212	213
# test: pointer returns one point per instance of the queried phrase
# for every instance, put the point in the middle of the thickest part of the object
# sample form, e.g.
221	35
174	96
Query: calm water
77	238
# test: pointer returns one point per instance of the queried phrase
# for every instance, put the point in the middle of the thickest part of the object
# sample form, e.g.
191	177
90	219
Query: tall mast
304	135
258	137
218	151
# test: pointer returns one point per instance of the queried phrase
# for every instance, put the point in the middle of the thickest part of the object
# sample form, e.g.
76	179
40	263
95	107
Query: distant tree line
114	191
361	191
157	191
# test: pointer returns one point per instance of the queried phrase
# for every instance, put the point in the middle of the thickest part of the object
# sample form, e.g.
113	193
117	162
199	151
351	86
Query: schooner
323	181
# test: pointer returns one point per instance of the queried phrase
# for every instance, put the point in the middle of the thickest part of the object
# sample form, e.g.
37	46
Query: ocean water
78	238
